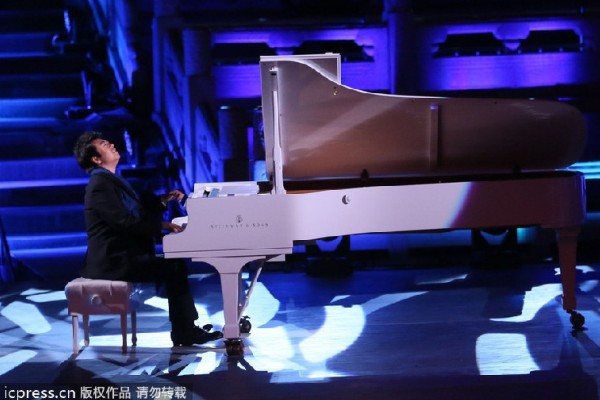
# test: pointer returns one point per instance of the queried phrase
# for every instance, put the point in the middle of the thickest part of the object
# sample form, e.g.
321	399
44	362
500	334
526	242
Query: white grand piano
342	161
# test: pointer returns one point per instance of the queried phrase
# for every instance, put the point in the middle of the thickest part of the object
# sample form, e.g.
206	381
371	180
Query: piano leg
229	269
567	256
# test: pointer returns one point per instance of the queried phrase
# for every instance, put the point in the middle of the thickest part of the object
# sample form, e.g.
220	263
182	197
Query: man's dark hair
84	150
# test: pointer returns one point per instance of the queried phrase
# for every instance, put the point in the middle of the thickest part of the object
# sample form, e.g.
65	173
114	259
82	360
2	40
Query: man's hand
172	195
168	226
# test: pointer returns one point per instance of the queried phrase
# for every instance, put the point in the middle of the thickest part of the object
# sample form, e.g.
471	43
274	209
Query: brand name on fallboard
239	223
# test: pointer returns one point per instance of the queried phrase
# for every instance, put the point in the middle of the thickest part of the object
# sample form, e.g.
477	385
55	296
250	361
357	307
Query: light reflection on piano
341	161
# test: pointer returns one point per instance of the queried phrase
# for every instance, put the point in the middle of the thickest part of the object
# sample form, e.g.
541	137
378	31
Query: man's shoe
194	336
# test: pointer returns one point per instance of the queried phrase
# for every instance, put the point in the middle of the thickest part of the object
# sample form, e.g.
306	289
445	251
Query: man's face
109	156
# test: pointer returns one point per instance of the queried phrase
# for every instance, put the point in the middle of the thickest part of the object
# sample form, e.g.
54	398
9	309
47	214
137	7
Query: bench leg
124	332
134	328
75	324
567	253
86	330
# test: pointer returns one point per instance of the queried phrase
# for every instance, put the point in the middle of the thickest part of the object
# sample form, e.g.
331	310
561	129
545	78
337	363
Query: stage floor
378	333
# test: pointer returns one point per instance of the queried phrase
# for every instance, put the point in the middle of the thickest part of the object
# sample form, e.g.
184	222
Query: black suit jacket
121	229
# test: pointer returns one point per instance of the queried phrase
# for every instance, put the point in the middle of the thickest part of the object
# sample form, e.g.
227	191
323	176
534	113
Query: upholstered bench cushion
99	296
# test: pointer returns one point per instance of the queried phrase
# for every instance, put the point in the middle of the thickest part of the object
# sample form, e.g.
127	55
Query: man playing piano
121	231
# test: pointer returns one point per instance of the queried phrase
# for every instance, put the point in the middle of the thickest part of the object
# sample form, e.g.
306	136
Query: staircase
41	186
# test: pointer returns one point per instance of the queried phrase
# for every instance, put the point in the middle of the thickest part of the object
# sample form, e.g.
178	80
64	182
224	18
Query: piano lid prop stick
277	153
433	136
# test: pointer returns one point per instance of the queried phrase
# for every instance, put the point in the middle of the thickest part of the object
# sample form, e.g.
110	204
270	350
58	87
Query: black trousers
174	275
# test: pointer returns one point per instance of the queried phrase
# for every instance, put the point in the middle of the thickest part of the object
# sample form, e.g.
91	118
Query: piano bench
87	297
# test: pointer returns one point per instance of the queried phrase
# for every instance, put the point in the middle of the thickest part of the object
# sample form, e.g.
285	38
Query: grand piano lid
315	128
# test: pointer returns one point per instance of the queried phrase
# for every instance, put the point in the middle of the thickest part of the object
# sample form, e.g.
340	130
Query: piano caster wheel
207	327
245	324
234	347
577	320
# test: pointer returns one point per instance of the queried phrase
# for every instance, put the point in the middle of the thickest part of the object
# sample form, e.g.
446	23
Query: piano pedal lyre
234	347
